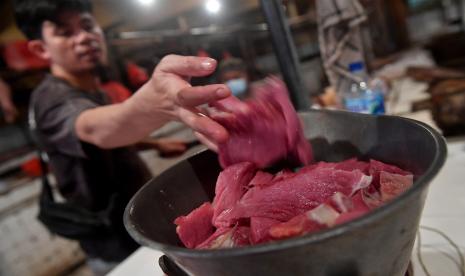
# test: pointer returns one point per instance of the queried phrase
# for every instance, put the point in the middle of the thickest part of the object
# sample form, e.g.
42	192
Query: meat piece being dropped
232	183
292	196
196	227
262	130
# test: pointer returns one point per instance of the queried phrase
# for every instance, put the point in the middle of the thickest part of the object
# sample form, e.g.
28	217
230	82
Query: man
86	139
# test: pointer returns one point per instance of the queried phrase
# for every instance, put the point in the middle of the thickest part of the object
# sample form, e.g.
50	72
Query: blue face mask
238	86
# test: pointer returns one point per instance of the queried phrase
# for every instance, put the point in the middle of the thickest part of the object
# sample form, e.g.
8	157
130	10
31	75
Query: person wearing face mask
233	73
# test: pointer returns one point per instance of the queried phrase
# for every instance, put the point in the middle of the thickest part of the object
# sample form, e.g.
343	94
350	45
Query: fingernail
221	92
208	64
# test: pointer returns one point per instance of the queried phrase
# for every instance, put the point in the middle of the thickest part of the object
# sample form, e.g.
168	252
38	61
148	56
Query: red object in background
137	75
202	53
32	167
117	92
18	57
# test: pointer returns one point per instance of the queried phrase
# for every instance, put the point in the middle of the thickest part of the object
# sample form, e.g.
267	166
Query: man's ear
37	47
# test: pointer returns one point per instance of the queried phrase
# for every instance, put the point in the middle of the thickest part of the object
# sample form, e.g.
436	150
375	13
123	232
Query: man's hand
166	96
174	98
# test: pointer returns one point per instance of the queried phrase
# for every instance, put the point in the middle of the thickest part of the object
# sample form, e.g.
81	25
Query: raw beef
392	184
261	179
319	218
232	183
377	167
196	227
263	130
259	229
347	165
292	196
253	206
227	238
284	174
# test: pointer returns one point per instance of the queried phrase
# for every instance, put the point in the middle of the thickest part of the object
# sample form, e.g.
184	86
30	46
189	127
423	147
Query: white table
444	210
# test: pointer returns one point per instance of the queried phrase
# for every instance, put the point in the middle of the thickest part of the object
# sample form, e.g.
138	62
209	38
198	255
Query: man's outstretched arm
166	96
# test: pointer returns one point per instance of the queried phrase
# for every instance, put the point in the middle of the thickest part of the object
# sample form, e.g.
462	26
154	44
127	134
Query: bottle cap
356	66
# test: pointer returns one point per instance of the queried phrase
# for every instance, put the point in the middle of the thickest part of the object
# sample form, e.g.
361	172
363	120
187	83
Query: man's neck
87	81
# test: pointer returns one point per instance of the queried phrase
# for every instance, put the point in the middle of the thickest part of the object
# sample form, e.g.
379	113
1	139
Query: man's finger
187	66
198	95
204	125
207	142
231	104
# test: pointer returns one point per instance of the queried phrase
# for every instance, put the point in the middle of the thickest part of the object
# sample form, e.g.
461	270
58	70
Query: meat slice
263	130
322	217
276	91
196	227
347	165
371	197
231	185
261	179
376	167
340	202
287	198
346	217
392	185
259	229
353	164
359	208
227	238
283	174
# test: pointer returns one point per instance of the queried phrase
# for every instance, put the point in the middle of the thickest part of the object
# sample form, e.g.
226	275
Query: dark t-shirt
86	174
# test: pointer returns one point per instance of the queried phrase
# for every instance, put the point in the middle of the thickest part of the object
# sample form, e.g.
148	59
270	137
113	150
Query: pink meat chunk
376	167
346	217
261	179
259	229
359	208
392	185
353	164
347	165
290	197
253	207
284	174
371	197
196	227
340	202
263	130
232	183
227	238
322	217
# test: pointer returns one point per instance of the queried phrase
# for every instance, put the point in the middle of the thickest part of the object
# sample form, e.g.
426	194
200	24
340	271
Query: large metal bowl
379	243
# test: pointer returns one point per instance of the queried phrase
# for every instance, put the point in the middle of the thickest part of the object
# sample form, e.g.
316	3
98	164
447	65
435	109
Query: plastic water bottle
361	97
374	99
354	94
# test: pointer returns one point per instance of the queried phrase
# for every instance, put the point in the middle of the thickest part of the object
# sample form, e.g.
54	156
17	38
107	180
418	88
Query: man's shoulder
50	89
51	93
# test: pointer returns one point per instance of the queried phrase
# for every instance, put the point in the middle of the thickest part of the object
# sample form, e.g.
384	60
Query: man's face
75	44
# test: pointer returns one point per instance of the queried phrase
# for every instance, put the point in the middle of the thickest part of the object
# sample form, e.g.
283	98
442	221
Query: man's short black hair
31	14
